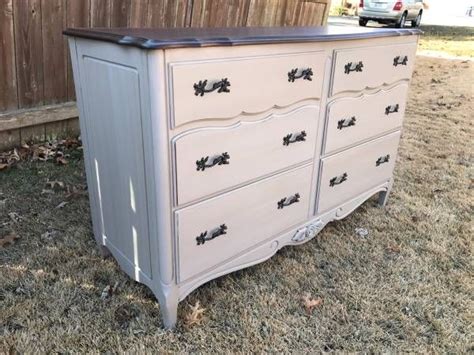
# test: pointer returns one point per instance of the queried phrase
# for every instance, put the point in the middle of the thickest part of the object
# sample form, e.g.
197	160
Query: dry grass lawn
406	286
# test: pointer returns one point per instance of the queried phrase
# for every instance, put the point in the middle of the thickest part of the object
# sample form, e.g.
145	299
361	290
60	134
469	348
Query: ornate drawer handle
286	201
220	86
381	160
346	122
293	138
306	74
338	180
399	60
203	163
203	237
391	109
357	67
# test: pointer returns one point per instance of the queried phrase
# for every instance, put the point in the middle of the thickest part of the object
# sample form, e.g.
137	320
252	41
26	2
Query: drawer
354	119
357	69
220	89
209	160
220	228
348	174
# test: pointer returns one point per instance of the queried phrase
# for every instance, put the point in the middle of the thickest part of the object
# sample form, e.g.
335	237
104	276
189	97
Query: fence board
266	12
219	13
54	51
8	89
120	13
100	13
138	13
29	52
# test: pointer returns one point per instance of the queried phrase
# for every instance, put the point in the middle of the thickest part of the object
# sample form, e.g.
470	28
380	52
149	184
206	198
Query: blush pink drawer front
256	84
220	228
370	67
354	119
349	173
209	160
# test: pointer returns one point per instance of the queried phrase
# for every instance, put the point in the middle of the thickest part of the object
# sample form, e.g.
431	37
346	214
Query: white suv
396	12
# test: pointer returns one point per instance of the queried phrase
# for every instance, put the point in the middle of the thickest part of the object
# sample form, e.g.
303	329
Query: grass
407	286
456	41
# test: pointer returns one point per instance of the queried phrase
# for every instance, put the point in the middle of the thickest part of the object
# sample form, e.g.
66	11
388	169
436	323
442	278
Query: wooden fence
35	68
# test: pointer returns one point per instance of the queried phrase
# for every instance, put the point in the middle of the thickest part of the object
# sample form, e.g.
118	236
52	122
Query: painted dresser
207	150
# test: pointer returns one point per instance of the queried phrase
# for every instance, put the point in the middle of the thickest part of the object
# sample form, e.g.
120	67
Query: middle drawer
209	160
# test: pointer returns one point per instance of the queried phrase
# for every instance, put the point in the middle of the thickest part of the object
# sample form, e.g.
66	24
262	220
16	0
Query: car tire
363	22
416	22
401	22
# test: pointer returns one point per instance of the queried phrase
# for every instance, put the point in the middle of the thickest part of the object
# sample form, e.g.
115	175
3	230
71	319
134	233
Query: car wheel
401	23
363	22
416	22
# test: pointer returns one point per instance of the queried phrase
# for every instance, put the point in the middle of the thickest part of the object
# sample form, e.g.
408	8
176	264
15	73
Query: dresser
208	150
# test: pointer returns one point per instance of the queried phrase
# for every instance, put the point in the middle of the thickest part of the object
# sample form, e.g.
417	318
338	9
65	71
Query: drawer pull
306	74
338	180
381	160
357	67
203	163
391	109
399	60
292	138
286	201
203	237
220	86
346	122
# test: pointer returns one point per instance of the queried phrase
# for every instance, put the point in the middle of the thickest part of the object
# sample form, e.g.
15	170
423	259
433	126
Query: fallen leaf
8	239
311	303
196	316
3	166
362	232
109	290
61	205
61	160
54	183
394	248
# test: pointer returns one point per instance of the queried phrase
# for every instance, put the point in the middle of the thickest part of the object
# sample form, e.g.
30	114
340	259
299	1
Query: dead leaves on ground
109	291
196	316
8	239
310	303
50	151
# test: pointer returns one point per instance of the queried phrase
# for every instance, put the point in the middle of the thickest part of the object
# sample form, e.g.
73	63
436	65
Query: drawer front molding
225	88
251	149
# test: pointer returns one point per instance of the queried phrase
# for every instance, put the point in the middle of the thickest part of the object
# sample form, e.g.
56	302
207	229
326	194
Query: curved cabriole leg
169	310
383	195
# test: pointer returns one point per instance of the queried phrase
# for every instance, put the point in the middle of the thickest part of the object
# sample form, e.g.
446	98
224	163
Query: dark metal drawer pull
399	60
381	160
306	74
203	163
293	138
338	180
203	237
391	109
346	122
351	66
220	86
286	201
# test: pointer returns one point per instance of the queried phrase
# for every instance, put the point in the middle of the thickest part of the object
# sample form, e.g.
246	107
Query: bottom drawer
350	173
218	229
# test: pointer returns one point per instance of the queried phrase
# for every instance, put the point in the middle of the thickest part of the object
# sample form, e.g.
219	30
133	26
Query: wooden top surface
160	38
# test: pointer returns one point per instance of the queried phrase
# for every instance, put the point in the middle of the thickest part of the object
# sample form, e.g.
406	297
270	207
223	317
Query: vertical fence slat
8	89
266	12
53	13
120	13
100	13
138	13
29	52
219	13
77	15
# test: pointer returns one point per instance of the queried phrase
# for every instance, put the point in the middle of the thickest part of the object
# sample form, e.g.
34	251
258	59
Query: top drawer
357	69
225	88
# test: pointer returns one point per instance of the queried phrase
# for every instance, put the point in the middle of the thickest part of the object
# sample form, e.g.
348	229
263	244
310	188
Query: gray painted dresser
207	150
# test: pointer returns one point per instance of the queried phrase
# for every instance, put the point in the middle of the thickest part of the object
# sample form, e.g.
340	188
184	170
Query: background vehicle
396	12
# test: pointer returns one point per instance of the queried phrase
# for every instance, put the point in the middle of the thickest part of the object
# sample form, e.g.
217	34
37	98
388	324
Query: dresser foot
169	311
383	195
